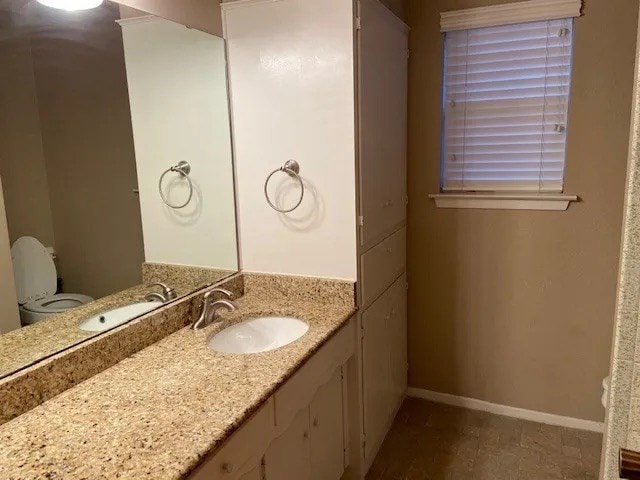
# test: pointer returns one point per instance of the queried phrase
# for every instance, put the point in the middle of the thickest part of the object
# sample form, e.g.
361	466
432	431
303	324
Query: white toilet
36	281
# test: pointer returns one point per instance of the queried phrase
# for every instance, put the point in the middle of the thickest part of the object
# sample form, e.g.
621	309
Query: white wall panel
179	108
292	88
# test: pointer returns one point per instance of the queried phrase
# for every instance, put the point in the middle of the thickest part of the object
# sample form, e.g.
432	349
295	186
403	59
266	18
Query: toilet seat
60	302
33	270
36	281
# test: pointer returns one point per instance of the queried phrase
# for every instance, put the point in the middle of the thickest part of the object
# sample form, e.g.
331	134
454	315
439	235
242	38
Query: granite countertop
24	346
158	413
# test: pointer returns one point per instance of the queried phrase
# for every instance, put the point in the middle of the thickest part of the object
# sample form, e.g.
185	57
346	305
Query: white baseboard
473	404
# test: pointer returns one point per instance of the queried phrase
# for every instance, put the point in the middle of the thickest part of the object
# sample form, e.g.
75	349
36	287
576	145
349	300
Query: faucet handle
227	293
168	292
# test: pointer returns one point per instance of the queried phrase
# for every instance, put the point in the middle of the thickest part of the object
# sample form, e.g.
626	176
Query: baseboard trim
532	415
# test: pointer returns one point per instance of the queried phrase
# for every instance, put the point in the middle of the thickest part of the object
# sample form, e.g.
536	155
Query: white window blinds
505	107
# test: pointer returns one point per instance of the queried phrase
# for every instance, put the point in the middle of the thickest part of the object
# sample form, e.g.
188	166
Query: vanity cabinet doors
384	363
327	430
313	445
289	455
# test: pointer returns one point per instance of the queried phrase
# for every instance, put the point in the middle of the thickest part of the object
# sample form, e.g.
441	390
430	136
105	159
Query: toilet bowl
36	281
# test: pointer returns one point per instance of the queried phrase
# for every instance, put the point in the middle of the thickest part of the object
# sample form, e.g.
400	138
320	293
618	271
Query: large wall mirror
116	170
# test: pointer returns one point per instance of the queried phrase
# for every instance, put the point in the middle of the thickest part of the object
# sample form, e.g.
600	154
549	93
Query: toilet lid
33	270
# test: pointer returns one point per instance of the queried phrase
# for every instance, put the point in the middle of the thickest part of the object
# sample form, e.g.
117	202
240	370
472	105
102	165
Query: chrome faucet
167	294
208	313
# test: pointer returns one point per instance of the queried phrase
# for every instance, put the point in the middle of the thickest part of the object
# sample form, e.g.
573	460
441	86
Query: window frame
506	14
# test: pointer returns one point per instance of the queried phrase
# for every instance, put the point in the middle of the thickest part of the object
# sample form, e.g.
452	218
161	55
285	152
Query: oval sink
117	316
258	335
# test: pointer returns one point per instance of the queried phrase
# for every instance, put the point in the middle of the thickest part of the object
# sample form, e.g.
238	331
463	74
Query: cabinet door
289	455
327	430
384	363
382	87
397	330
375	374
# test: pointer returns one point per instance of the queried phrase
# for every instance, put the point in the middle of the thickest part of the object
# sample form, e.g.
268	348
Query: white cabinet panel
381	265
384	361
382	83
289	455
397	329
375	374
327	430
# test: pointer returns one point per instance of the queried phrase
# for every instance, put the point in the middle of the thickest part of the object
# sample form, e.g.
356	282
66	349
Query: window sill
504	201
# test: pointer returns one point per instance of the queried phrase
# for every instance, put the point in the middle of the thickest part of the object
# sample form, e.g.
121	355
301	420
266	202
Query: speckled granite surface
24	346
34	385
157	414
622	425
184	277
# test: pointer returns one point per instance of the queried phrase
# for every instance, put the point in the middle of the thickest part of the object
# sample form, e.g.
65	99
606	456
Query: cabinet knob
305	435
315	422
227	467
388	250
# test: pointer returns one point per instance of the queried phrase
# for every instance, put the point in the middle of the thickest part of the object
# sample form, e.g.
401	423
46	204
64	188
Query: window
507	79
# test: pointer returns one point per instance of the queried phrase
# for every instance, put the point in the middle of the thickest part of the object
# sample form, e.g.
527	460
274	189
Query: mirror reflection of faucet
167	294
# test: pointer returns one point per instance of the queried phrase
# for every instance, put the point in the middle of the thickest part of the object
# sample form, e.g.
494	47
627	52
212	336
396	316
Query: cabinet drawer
243	451
381	265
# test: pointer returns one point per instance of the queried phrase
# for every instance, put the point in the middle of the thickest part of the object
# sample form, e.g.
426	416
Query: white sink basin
112	318
258	335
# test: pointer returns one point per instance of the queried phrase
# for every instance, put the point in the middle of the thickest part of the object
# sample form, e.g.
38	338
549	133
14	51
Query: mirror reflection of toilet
36	282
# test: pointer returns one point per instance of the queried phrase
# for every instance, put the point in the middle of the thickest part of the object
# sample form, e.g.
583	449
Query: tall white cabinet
382	66
324	82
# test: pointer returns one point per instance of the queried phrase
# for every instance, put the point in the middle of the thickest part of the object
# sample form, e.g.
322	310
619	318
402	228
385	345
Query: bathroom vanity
207	414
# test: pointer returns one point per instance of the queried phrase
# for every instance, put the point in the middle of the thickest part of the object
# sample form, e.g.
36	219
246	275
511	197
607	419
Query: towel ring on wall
291	168
184	169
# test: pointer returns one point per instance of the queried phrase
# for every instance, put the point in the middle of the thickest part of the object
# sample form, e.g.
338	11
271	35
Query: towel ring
291	168
184	169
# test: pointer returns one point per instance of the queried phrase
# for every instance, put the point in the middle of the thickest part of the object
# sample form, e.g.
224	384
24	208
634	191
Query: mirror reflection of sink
112	318
258	335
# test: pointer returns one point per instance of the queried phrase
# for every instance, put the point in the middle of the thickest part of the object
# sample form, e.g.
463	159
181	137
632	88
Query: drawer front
381	265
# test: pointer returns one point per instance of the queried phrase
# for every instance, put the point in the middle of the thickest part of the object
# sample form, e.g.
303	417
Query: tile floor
431	441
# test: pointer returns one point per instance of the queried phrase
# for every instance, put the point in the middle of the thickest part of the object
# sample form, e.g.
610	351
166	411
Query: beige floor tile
430	441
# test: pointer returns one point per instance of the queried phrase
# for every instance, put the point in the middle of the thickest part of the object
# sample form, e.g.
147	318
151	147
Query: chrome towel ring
291	168
184	169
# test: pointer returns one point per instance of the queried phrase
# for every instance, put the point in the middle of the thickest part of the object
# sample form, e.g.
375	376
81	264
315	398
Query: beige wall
517	307
22	166
88	145
9	316
396	6
202	15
